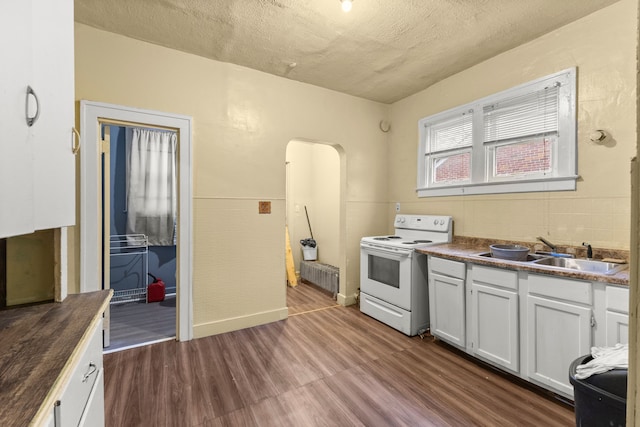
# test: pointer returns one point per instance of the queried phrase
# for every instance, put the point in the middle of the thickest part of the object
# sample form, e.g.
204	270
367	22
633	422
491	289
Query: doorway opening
315	219
135	250
141	210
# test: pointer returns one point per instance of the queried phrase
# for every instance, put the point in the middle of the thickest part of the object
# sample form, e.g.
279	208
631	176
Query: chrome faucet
553	247
589	250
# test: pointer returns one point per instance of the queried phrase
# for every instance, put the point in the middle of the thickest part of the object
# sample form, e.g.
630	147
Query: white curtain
151	185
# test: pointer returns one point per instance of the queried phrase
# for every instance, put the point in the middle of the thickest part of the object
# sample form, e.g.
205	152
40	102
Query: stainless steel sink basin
586	265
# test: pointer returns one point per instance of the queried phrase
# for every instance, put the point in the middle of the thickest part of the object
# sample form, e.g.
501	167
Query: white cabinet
447	300
37	164
531	325
494	316
559	322
16	163
617	315
50	421
82	400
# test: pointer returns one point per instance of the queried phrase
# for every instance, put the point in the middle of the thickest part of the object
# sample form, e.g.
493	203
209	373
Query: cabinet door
447	309
50	421
557	334
53	158
495	325
16	165
617	328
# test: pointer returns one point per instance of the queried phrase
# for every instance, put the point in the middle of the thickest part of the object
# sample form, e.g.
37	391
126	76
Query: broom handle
308	222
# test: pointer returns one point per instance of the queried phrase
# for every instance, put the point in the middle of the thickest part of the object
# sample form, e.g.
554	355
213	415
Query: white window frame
563	176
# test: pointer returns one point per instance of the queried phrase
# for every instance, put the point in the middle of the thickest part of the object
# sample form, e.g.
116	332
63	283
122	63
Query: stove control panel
424	222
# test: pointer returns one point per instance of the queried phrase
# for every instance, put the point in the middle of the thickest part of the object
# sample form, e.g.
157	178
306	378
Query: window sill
565	183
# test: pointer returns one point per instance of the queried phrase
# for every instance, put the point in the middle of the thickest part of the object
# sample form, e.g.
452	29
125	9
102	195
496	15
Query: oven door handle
386	250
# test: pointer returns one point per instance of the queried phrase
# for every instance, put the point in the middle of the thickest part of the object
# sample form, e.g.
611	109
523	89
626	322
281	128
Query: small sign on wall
264	207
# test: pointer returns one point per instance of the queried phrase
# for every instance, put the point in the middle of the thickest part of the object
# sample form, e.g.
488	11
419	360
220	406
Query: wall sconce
346	5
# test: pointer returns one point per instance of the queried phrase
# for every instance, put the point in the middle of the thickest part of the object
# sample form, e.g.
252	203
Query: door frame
90	193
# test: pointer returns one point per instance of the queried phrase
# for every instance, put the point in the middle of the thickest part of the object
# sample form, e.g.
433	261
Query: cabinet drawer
561	288
83	377
495	276
447	267
617	299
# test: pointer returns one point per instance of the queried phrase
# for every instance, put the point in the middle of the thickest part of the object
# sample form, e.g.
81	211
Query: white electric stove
393	276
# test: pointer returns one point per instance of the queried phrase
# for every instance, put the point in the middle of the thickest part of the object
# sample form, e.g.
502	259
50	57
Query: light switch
398	207
264	207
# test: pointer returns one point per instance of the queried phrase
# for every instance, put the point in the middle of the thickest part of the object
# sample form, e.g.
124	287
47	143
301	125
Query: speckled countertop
467	249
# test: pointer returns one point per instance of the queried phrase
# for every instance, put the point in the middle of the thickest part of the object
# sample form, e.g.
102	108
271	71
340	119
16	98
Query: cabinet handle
31	120
92	369
57	417
75	142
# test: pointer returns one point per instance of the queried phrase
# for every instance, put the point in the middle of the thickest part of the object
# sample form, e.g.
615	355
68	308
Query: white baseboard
346	300
236	323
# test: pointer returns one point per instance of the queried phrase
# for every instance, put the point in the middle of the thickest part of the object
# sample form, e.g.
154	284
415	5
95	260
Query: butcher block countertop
467	249
38	347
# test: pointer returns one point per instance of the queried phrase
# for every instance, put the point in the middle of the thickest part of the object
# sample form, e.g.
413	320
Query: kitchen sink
530	257
586	265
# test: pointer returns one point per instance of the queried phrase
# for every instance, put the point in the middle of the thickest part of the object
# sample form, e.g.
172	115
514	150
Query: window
522	139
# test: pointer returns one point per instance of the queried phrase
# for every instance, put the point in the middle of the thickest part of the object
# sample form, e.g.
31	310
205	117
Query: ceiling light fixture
346	5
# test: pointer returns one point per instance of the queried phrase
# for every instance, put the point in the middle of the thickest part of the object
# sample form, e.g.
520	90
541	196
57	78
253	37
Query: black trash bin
601	399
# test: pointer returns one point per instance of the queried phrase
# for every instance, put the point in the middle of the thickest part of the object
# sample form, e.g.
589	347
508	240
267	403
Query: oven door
385	273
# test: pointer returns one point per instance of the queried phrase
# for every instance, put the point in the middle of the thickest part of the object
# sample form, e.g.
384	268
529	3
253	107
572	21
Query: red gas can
155	291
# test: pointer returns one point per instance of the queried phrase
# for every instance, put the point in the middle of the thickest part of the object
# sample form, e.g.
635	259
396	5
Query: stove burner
386	238
416	242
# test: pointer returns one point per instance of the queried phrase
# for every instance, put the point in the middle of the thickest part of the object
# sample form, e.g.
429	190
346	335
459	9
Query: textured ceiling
381	50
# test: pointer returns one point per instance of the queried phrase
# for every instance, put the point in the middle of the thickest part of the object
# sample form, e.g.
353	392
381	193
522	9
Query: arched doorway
315	180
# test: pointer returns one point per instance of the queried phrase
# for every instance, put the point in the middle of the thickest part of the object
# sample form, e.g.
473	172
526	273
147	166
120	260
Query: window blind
532	114
451	133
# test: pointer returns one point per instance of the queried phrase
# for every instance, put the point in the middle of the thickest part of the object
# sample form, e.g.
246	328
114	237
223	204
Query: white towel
604	359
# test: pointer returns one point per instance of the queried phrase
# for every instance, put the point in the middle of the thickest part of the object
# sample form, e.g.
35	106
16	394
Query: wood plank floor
326	365
306	297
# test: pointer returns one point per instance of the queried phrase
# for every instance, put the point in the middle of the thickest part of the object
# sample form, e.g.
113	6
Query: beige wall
314	180
243	121
603	48
30	268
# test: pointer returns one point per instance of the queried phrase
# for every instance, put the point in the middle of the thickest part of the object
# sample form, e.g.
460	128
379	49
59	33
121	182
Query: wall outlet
264	207
397	206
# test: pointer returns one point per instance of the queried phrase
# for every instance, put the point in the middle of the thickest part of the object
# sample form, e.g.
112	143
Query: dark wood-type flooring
326	365
135	323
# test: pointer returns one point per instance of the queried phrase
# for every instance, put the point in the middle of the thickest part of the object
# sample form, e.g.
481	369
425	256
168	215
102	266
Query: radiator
323	275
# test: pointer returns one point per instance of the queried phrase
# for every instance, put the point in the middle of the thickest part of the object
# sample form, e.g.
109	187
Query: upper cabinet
16	161
37	163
